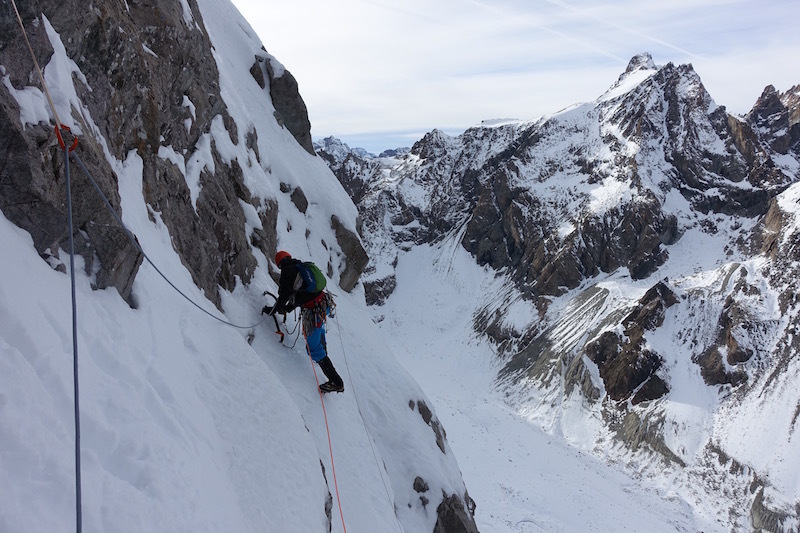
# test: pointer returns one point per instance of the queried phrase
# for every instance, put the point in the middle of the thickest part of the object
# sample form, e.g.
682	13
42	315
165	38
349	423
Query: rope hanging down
330	445
78	506
76	397
363	422
59	127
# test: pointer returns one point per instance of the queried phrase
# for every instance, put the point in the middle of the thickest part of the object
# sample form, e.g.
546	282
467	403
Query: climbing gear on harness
315	312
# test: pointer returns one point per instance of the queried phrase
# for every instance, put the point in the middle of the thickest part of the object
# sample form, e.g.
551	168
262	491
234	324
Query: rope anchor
60	138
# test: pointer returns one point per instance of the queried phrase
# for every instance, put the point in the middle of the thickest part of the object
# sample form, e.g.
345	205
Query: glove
266	310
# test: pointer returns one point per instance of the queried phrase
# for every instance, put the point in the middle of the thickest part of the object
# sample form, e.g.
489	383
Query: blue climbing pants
315	343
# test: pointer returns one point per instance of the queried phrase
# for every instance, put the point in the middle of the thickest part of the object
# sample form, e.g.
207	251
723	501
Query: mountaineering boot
330	386
334	383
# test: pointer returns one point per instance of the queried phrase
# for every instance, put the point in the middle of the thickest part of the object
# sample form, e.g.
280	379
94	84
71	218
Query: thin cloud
603	20
381	66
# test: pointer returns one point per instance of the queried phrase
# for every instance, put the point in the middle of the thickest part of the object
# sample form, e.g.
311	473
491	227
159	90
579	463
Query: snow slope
524	479
187	423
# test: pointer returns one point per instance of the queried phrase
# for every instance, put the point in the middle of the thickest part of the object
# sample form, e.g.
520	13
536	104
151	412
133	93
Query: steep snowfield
186	427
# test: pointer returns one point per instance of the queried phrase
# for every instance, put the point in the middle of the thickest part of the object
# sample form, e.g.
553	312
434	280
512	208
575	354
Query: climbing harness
315	315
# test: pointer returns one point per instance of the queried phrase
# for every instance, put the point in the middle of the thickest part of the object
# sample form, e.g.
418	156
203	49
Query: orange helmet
280	256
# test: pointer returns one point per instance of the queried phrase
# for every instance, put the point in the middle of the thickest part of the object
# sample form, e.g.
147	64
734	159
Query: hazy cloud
371	66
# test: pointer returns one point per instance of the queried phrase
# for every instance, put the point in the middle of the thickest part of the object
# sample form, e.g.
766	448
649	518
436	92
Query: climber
302	285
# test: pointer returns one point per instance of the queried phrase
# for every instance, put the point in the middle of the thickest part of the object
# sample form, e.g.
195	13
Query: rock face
290	109
496	183
351	247
627	367
150	81
454	517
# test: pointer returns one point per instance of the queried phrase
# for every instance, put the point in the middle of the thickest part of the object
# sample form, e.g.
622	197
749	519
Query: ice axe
277	326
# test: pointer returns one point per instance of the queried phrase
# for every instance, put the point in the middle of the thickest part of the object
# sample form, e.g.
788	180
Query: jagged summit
334	147
775	118
639	69
643	61
434	143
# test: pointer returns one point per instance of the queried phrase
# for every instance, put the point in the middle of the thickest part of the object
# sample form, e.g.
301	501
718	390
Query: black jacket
290	293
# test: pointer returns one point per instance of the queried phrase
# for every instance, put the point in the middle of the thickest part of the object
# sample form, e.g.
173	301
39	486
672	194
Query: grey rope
78	517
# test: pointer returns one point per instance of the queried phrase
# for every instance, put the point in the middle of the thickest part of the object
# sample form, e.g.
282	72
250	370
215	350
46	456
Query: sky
380	74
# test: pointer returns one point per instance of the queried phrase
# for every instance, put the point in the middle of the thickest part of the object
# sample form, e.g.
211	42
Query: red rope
330	446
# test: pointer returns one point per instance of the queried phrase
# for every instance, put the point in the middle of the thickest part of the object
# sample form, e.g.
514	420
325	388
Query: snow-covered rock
651	241
200	141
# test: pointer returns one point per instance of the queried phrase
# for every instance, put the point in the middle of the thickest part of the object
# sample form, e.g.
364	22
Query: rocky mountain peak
791	99
767	105
775	117
433	145
643	61
335	148
484	179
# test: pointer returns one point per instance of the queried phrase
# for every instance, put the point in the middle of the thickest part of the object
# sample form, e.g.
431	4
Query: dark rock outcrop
432	421
151	47
454	517
762	518
627	368
776	118
289	106
355	255
33	192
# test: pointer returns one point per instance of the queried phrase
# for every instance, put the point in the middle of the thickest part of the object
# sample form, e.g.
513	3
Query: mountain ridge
654	236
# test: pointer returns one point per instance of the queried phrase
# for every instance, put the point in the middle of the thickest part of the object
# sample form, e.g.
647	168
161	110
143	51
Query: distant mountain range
334	149
653	241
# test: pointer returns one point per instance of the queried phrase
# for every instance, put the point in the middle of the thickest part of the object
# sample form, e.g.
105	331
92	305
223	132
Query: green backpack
313	280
